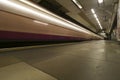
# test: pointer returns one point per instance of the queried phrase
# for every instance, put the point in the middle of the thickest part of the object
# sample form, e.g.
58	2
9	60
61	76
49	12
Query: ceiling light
93	11
100	1
101	27
77	3
95	15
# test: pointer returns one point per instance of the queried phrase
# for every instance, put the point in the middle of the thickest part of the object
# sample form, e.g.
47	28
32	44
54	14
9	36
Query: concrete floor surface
89	60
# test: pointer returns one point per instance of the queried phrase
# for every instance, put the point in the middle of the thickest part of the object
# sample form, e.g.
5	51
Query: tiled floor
89	60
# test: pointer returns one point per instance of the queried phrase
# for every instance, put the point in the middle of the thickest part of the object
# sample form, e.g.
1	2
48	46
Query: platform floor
89	60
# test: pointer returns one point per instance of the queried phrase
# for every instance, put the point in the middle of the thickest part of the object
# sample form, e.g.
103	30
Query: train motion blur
24	20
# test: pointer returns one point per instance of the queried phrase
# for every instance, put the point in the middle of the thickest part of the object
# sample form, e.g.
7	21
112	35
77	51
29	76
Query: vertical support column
118	22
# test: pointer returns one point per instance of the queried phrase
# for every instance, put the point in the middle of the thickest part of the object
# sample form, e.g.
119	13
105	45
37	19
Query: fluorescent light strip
77	3
95	16
93	11
100	1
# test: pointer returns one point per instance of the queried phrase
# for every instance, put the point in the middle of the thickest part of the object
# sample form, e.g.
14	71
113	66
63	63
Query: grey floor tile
23	71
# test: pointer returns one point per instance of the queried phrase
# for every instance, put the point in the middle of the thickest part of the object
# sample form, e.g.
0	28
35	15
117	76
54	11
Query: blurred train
22	20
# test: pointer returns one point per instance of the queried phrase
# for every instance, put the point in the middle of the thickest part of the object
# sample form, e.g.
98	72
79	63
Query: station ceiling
84	16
